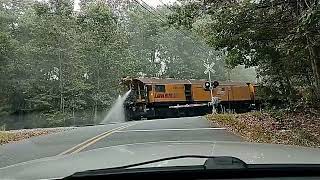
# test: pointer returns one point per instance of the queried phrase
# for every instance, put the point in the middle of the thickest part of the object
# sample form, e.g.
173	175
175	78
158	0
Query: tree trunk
61	85
289	87
97	92
315	64
95	112
61	88
73	115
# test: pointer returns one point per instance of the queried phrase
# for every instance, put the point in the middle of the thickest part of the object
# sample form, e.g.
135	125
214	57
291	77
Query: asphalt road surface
91	137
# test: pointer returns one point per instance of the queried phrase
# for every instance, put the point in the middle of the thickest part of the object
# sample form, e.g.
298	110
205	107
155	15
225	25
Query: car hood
65	165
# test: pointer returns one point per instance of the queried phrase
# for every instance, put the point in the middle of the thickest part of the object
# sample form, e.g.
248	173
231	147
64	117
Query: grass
6	137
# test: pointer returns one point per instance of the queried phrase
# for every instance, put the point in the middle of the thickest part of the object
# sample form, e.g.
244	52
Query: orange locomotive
160	98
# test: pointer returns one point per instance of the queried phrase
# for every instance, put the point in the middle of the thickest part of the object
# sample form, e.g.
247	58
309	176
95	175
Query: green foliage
57	119
165	51
281	38
63	67
278	115
240	73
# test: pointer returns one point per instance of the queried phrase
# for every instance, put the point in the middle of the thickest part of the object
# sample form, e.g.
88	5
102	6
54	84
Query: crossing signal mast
210	85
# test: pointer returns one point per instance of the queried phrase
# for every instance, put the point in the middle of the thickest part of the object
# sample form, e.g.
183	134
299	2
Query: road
91	137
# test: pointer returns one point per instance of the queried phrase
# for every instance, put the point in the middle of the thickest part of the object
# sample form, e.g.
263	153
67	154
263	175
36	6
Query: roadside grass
267	128
6	137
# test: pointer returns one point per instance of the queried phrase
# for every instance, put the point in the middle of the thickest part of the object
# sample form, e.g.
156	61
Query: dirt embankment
17	135
302	129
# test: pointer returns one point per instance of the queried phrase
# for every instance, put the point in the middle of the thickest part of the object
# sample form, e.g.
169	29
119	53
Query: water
117	114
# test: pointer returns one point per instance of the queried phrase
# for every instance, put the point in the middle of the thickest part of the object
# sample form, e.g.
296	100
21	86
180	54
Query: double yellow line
93	140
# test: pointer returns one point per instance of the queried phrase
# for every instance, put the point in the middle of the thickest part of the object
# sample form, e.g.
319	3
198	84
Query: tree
164	51
64	65
10	28
102	46
269	34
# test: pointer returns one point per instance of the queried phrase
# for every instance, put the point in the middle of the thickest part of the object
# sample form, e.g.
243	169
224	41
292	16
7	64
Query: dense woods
60	66
280	37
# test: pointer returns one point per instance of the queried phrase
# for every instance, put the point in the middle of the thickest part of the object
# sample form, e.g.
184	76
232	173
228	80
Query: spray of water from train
116	114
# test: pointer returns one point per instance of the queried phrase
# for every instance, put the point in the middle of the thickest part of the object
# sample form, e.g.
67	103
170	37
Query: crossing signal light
207	85
214	84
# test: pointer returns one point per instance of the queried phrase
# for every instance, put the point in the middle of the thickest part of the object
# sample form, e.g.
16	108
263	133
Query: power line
148	10
163	21
190	70
168	7
154	10
180	32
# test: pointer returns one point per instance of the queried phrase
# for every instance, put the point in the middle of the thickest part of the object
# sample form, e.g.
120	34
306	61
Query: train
152	98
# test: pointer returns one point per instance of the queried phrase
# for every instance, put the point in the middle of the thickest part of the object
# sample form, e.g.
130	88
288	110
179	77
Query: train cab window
149	88
160	88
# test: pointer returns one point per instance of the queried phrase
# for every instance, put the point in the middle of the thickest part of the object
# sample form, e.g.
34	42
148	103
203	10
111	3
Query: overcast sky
153	3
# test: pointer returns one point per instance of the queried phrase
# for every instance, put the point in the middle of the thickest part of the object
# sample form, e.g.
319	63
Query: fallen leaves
5	137
17	135
280	128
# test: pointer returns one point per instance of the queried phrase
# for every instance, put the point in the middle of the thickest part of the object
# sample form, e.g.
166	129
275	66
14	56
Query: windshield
159	78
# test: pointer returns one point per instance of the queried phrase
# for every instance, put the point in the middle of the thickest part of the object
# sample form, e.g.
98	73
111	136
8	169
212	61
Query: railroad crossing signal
213	84
207	85
209	68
